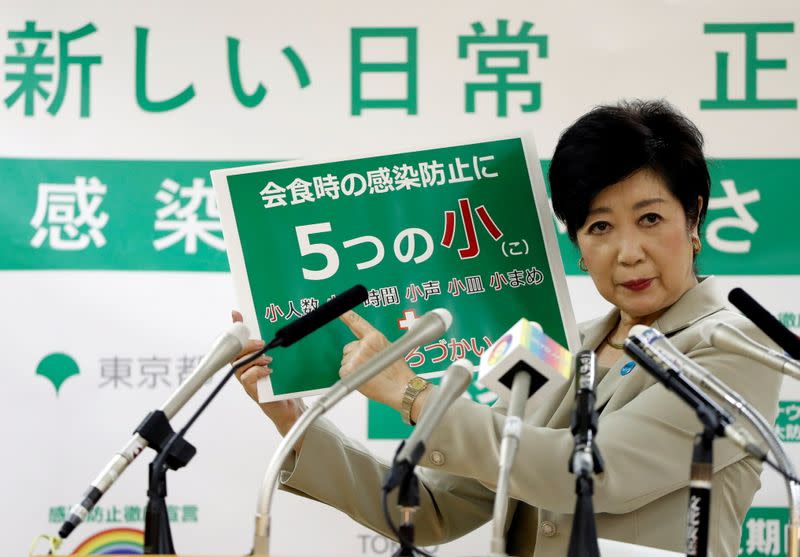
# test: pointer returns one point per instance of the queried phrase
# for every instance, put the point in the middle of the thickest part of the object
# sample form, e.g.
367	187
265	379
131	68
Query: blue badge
627	368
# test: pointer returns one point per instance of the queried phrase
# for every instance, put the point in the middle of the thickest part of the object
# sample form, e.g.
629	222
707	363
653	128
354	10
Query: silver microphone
455	381
730	339
509	444
427	328
758	422
224	349
676	362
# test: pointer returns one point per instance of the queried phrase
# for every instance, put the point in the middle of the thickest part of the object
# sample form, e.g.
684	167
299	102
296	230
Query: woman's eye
599	227
650	219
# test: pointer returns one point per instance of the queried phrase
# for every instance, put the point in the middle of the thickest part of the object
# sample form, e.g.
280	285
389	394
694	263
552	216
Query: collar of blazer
696	304
699	302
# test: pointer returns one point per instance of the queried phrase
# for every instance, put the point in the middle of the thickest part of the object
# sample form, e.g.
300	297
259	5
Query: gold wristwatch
415	386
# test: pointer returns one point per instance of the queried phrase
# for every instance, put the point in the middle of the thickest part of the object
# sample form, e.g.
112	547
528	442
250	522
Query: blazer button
548	528
436	458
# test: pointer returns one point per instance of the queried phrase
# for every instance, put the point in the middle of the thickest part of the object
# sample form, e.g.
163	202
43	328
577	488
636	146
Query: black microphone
584	419
158	537
765	321
716	423
223	350
324	314
585	458
709	412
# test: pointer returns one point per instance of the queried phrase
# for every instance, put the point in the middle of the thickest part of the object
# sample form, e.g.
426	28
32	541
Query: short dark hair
611	142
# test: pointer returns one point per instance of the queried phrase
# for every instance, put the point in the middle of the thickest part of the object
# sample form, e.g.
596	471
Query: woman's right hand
283	413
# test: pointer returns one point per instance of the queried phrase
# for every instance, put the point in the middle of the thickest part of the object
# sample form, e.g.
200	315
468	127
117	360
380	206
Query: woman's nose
630	250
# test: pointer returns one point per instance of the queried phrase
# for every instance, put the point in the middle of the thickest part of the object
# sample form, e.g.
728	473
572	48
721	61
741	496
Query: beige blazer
645	434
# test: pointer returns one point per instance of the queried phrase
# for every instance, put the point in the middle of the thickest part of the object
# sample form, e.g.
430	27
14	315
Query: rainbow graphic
548	351
500	348
119	541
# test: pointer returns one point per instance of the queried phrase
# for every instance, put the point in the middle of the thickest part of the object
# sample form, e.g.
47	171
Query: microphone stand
709	381
714	420
173	455
584	529
157	532
408	501
767	434
586	460
700	473
520	392
223	349
430	325
401	474
701	470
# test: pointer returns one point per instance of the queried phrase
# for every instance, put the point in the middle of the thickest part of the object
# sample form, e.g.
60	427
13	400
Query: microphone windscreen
240	332
637	330
708	330
525	347
765	321
445	316
324	314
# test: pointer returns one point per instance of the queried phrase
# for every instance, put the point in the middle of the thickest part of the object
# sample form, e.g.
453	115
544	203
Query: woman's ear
694	231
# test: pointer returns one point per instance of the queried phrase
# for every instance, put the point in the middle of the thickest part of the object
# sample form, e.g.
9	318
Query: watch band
414	387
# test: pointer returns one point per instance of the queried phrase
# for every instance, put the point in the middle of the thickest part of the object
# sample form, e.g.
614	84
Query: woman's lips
637	285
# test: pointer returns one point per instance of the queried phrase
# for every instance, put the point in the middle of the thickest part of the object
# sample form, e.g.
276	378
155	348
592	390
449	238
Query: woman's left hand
388	386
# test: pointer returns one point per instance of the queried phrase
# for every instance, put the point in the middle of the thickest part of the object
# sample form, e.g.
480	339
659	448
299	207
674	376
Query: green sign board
787	422
765	532
465	227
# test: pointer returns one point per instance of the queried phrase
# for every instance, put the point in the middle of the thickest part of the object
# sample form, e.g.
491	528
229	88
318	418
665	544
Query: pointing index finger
357	324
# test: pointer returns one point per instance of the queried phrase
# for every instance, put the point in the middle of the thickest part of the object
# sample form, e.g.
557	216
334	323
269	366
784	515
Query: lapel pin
627	368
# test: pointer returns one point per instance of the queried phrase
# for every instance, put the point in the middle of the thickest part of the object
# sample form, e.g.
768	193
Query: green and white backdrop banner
113	276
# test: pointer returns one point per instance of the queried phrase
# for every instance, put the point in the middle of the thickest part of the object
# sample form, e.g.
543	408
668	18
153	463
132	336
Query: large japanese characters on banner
115	279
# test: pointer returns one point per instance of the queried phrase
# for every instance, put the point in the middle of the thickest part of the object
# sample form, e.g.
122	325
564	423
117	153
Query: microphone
765	321
758	422
585	457
429	327
730	339
522	365
456	380
401	474
716	423
310	322
669	371
525	347
584	418
224	349
324	314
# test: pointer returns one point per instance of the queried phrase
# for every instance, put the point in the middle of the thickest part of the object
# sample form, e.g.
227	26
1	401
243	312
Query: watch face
417	383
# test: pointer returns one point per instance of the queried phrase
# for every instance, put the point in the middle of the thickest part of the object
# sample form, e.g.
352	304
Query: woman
631	184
